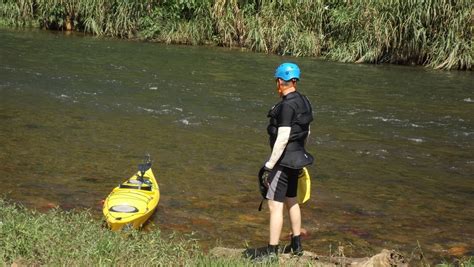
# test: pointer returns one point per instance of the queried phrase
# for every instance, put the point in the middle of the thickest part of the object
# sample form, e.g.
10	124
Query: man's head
287	74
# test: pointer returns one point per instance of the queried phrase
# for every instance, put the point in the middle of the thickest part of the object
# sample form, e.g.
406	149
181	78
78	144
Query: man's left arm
285	120
279	146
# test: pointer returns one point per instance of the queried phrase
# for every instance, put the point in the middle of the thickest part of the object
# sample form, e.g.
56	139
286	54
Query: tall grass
17	13
434	33
62	238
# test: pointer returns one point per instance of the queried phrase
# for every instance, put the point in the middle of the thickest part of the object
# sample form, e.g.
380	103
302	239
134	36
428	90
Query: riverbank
436	34
57	237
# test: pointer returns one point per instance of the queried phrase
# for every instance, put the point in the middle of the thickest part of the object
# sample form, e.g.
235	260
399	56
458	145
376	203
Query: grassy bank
76	239
434	33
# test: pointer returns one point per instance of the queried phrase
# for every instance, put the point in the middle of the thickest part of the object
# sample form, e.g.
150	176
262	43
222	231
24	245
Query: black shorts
283	183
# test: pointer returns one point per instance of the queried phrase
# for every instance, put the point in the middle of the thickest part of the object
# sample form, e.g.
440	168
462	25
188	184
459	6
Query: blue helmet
287	71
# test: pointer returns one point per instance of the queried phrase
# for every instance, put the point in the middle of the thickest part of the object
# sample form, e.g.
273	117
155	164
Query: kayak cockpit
139	187
140	184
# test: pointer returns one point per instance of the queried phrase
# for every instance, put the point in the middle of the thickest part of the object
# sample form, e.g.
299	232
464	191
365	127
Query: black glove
263	180
266	176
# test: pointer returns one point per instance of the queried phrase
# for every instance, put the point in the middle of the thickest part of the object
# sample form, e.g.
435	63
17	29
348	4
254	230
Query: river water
393	145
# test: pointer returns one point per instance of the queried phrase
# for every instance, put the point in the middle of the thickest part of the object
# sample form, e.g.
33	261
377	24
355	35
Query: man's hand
266	176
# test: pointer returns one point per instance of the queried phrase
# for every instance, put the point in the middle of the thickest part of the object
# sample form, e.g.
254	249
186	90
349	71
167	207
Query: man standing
288	130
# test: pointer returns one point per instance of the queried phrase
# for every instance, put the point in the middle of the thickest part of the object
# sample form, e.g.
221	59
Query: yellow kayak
131	203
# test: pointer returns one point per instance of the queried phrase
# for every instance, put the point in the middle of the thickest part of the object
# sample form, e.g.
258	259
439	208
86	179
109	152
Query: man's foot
296	248
263	254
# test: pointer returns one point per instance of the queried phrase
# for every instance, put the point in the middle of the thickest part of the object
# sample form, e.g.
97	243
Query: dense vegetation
436	33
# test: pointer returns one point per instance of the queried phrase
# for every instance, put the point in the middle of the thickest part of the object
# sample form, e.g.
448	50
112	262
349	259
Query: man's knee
275	206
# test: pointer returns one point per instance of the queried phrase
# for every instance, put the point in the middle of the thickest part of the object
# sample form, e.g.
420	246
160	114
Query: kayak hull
132	203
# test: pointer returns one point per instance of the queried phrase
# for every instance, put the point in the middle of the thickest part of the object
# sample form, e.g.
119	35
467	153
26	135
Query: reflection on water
393	145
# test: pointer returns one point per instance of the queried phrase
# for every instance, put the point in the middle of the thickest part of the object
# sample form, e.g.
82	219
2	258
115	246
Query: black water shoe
296	248
266	254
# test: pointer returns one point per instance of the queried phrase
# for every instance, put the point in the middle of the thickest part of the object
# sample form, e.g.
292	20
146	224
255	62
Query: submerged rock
304	235
458	251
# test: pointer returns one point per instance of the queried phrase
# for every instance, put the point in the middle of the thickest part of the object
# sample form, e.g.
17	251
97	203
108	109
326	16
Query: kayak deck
131	203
